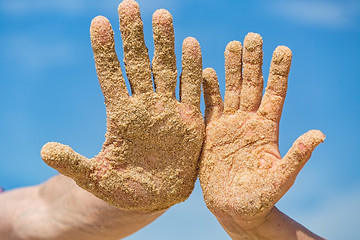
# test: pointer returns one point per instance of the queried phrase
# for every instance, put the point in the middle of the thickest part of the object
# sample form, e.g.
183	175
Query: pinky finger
213	103
191	76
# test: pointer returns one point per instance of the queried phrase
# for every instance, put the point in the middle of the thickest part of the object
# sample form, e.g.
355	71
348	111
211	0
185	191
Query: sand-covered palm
241	171
150	156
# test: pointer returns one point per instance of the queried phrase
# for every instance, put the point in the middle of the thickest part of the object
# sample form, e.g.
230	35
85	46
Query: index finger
275	93
107	63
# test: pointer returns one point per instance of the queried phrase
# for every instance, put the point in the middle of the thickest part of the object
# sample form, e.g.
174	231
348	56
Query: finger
66	161
275	93
252	85
164	61
136	57
233	68
191	76
106	61
300	153
213	102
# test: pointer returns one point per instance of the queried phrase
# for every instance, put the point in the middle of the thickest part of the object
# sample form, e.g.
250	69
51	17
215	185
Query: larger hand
242	172
153	142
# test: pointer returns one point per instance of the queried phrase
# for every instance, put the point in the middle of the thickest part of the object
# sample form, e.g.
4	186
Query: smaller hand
242	172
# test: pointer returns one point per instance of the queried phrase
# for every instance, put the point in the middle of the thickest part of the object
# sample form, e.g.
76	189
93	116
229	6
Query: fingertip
253	51
162	17
128	9
281	61
44	152
307	142
210	82
53	152
191	48
191	42
252	41
282	54
234	46
317	136
284	49
101	31
99	21
64	159
209	73
128	4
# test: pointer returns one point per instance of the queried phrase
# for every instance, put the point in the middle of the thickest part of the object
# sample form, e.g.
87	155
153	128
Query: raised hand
153	141
241	171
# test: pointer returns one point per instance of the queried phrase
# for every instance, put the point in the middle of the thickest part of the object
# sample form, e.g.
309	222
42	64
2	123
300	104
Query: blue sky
49	92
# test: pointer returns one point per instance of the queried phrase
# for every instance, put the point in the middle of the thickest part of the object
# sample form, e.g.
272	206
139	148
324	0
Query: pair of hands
149	160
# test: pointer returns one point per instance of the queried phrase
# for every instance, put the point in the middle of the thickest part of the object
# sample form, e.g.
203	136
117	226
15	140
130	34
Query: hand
241	172
150	156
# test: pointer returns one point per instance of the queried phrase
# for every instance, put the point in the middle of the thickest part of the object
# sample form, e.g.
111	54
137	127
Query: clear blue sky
49	92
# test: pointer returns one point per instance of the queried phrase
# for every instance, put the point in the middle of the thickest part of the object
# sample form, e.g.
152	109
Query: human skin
149	159
242	173
60	210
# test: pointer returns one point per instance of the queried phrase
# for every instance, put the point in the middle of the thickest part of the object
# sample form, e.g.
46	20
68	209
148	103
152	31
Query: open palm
153	141
241	171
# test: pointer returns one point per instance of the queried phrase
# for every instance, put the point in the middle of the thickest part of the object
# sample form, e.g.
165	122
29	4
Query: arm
242	173
59	209
149	160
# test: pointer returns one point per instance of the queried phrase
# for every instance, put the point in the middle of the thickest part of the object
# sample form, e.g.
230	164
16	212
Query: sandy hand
242	172
149	158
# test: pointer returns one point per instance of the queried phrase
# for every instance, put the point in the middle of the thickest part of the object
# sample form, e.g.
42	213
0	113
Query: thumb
300	152
66	161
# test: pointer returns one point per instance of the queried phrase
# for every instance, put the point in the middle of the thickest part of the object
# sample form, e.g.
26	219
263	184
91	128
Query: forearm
13	205
275	225
59	209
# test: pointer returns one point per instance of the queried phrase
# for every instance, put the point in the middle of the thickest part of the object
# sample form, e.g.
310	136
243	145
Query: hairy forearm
275	225
59	209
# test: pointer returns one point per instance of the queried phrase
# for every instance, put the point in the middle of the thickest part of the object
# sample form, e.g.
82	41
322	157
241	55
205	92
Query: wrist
270	225
88	217
240	227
